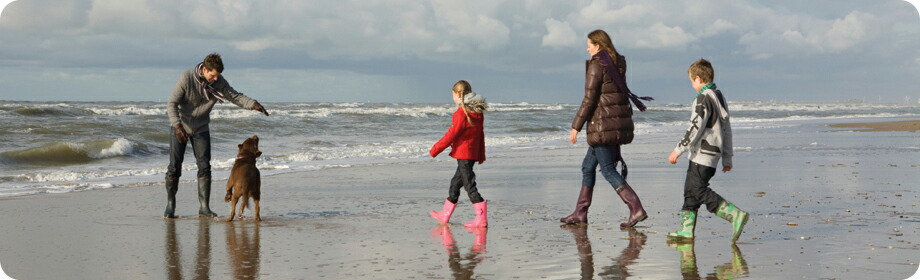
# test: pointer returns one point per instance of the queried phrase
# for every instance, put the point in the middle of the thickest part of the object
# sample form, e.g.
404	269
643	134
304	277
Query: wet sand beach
912	125
824	203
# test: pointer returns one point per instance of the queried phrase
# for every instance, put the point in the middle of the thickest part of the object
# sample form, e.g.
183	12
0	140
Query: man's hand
673	157
573	135
726	168
258	107
181	135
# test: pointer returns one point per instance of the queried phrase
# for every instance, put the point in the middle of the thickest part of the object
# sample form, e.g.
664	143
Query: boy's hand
573	135
726	168
673	157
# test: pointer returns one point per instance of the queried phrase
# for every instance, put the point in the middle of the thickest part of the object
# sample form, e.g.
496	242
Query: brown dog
244	178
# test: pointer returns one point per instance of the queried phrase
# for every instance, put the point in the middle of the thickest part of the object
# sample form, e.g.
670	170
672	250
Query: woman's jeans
603	155
201	147
464	177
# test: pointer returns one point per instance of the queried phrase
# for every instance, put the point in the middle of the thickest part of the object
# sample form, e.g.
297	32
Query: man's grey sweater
188	105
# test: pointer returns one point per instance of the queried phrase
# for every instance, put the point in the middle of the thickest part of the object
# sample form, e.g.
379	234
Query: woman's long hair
600	38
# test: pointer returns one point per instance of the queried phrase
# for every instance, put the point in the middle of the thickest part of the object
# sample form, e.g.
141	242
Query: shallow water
54	147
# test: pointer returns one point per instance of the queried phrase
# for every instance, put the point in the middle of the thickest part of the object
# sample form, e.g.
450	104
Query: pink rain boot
480	220
444	215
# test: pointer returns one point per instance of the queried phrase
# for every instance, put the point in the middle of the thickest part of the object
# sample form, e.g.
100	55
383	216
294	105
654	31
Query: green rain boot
732	214
688	224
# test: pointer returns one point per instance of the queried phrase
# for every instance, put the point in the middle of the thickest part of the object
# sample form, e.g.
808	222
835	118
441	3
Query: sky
414	51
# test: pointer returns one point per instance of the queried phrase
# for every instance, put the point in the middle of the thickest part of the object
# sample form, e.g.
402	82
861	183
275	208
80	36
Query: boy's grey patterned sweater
709	137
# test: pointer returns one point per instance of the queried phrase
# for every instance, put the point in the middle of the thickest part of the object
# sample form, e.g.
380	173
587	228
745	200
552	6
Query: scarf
704	88
614	73
206	89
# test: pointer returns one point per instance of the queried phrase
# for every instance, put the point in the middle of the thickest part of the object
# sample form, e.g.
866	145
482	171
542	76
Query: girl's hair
600	38
463	87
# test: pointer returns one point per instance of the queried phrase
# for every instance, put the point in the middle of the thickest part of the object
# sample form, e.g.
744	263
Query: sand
912	126
823	205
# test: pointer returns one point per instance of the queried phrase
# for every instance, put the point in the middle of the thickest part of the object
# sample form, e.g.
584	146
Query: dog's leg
257	217
233	207
244	202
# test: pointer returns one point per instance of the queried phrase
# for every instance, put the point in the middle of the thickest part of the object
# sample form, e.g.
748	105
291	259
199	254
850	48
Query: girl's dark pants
697	191
464	177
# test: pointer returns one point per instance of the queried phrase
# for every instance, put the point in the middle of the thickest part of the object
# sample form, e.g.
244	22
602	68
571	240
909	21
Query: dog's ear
240	146
258	154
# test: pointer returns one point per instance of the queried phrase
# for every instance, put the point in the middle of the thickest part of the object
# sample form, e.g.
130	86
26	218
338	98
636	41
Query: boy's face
210	75
696	82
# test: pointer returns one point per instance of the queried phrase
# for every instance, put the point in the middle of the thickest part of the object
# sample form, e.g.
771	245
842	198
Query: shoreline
891	126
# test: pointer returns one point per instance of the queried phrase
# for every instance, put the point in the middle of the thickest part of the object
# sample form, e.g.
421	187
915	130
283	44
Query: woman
608	114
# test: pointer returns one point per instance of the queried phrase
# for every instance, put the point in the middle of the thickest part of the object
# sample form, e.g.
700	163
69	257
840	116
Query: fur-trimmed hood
475	103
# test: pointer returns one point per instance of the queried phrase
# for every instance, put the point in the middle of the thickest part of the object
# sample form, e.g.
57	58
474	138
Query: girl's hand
573	135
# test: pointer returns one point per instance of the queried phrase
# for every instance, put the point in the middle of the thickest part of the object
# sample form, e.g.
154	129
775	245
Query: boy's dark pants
464	178
697	191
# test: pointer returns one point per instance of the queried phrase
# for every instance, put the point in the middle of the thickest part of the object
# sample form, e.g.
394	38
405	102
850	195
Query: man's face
210	75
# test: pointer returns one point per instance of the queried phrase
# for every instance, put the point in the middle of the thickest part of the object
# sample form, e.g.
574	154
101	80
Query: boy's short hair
703	69
213	62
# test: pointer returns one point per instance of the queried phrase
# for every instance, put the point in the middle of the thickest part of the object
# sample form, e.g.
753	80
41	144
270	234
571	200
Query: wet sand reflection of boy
734	269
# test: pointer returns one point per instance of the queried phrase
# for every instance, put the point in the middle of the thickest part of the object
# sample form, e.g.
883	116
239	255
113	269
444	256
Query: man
189	111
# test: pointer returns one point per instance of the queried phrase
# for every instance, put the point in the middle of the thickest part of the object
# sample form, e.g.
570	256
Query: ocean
59	147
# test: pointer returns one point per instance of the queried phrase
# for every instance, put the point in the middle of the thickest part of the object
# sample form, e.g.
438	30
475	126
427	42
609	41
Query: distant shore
912	126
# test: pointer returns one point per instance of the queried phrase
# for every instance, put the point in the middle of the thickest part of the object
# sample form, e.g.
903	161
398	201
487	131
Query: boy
189	110
708	139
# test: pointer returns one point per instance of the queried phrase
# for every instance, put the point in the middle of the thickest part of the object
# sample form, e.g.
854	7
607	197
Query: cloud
418	40
558	34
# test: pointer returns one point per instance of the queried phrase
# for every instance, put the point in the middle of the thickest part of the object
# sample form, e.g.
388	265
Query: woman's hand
573	135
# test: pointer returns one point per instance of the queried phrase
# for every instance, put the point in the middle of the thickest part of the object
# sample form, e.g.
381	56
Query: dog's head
250	147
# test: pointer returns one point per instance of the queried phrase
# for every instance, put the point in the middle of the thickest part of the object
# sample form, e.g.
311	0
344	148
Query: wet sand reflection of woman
619	268
454	258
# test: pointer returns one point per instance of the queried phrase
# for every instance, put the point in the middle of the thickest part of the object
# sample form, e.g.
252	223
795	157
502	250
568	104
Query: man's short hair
703	69
213	62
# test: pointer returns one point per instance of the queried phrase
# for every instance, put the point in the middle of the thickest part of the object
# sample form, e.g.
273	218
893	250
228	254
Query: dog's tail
245	197
229	194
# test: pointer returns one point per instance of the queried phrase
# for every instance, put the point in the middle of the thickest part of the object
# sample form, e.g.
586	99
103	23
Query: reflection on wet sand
203	269
173	264
734	269
461	266
202	252
619	268
243	248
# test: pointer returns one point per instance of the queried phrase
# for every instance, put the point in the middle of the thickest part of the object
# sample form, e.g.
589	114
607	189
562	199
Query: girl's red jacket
466	141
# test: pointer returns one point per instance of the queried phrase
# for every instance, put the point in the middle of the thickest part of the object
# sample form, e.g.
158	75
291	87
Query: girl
608	115
467	144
